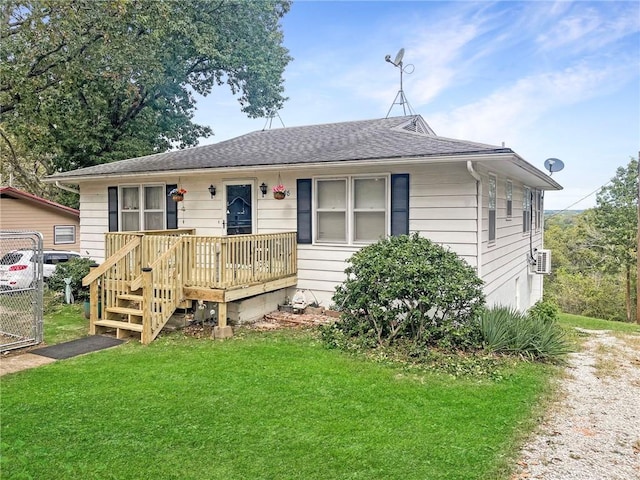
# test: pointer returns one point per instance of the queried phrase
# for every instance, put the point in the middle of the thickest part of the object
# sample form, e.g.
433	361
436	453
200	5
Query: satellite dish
553	165
399	56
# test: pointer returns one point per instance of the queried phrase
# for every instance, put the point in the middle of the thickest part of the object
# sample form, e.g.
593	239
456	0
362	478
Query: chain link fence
21	288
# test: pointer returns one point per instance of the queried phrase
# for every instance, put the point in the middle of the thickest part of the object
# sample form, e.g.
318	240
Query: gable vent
417	125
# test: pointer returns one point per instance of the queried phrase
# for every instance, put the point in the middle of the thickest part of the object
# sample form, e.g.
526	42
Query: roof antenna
553	165
401	99
272	114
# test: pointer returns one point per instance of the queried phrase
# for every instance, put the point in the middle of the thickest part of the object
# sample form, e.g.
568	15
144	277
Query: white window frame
508	193
350	211
56	233
141	210
492	203
526	209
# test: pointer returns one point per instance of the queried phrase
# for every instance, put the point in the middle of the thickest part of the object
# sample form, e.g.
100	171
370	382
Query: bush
508	331
544	311
411	288
76	269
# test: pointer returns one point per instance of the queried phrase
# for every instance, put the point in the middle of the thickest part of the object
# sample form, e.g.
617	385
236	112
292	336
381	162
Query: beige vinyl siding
504	261
21	214
443	208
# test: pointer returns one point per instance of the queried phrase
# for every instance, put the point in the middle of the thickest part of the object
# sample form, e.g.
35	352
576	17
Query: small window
509	195
492	208
64	234
526	209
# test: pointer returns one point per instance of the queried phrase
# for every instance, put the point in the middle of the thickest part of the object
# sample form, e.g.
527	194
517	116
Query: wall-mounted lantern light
263	189
212	190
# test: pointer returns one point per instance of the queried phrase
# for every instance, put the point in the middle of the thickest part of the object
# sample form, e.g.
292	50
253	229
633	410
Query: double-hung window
509	195
526	209
142	207
492	208
351	209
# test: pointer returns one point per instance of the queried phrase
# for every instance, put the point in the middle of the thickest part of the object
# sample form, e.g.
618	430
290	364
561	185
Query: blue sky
549	79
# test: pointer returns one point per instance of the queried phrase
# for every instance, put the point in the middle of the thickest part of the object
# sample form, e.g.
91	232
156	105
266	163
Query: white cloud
508	113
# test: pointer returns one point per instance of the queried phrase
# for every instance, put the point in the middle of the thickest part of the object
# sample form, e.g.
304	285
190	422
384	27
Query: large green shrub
507	330
409	288
76	269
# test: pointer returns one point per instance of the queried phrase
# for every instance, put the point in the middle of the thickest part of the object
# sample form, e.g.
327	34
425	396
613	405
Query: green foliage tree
411	288
85	82
616	219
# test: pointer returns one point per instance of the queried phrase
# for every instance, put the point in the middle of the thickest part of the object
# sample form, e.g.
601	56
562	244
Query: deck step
125	311
135	327
130	296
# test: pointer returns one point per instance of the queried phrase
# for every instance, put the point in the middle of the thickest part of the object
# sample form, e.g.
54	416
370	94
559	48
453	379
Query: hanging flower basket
279	192
177	194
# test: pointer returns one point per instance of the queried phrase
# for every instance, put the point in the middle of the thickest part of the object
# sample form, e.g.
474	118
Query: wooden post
93	302
147	298
222	330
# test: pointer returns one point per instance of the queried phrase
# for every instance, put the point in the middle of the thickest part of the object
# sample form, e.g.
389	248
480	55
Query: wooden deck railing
163	263
238	260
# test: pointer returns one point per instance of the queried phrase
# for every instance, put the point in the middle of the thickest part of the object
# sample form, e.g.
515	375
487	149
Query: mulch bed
271	321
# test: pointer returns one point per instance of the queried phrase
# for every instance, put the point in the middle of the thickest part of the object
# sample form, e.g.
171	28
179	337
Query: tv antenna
400	99
553	165
272	114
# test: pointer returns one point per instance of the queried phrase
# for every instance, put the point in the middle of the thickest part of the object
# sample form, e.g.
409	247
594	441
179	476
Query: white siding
443	208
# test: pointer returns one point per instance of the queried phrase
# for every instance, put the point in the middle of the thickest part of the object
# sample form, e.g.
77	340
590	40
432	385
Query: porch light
263	189
212	190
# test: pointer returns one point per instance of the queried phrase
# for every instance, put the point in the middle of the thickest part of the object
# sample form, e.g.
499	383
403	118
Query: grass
268	405
63	323
273	405
572	321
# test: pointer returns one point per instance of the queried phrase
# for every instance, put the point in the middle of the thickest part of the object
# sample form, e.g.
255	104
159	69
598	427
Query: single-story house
23	211
345	186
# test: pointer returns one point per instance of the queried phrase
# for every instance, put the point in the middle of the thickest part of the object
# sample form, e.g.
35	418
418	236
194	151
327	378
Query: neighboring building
58	224
347	184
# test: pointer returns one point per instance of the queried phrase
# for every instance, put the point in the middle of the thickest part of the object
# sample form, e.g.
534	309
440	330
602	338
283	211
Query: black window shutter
400	204
172	209
112	199
304	211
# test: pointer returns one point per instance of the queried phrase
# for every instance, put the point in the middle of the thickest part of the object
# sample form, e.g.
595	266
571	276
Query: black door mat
77	347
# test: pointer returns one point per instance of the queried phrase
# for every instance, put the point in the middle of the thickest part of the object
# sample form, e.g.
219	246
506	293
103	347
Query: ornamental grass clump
407	289
506	330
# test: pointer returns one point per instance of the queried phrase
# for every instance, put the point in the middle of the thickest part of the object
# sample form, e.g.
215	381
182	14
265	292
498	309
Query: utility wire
583	198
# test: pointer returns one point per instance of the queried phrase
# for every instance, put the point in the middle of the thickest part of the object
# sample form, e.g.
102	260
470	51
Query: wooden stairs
126	318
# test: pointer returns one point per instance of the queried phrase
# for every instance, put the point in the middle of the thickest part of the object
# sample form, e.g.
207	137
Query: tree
616	220
85	82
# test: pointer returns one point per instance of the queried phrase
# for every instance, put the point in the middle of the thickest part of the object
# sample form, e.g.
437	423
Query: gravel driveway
593	430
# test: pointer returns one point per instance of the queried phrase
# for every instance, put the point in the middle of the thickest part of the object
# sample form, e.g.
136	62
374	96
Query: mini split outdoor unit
542	263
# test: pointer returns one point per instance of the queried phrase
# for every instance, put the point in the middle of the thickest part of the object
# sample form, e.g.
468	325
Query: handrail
137	282
111	261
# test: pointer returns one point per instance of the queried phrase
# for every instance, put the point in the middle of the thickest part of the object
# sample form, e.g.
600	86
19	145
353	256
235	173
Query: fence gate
20	308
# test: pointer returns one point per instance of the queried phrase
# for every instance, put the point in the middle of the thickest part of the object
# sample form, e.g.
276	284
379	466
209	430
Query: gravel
593	429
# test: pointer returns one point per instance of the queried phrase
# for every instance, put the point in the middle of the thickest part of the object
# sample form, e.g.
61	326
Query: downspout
68	189
475	175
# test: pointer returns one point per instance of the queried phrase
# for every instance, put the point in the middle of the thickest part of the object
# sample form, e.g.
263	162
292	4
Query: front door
239	208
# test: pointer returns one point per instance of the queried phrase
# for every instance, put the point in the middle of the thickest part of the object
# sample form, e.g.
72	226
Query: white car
17	268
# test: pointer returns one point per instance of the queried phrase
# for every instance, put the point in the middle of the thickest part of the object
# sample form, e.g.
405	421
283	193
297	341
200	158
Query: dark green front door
239	209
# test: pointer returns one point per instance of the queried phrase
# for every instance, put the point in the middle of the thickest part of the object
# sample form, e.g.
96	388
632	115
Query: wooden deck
147	275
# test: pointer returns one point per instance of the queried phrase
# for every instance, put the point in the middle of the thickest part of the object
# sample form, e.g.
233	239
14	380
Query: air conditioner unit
543	262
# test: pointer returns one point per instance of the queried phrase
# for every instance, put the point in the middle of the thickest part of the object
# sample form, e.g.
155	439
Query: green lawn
63	323
572	321
260	406
273	405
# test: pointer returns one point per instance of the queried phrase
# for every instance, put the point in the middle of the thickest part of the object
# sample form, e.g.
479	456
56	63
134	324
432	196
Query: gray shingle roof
395	137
